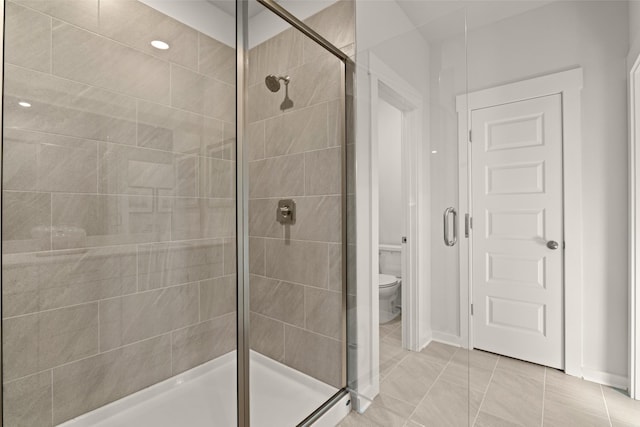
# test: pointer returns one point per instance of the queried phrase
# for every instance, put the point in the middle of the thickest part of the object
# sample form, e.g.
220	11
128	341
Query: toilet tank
391	260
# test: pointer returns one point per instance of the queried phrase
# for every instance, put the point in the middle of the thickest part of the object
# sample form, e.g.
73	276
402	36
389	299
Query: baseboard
446	338
606	378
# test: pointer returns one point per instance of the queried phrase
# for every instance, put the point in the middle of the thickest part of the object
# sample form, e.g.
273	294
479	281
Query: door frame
634	233
388	85
569	85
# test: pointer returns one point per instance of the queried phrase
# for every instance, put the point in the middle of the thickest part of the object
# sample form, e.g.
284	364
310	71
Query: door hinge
470	138
472	309
468	225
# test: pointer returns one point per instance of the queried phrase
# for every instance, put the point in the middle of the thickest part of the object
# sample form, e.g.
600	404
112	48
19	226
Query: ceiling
437	20
229	6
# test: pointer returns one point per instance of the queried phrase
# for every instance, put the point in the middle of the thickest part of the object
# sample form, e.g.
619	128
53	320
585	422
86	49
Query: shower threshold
205	396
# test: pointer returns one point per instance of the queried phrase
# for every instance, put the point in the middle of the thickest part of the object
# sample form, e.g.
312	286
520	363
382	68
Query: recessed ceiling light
24	104
159	44
434	152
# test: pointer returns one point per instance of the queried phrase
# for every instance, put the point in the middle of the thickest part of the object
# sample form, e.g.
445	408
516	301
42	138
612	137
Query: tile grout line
544	392
486	391
432	385
606	407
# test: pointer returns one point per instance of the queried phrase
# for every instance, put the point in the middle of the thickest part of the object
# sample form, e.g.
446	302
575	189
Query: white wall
389	173
634	32
556	37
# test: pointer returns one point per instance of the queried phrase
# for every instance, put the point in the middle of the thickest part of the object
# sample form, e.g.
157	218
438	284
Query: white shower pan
205	396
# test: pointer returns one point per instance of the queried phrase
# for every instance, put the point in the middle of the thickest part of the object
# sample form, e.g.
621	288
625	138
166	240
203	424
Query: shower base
205	396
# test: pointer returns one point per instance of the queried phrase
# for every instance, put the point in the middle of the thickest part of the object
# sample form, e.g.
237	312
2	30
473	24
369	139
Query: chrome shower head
273	82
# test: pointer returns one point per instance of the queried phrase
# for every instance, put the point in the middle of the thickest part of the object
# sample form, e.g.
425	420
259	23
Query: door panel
517	209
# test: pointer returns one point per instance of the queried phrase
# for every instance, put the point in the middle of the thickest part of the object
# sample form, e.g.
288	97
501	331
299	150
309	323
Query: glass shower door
296	193
118	216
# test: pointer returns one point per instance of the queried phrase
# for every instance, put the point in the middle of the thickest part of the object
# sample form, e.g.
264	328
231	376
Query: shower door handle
445	218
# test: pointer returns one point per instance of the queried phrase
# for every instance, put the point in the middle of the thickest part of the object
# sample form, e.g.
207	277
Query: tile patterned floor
435	388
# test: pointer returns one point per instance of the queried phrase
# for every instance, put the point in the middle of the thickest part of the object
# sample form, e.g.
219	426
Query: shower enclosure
174	230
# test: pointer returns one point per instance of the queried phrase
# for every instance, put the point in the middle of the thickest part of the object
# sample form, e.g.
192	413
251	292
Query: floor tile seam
430	388
606	406
486	391
544	392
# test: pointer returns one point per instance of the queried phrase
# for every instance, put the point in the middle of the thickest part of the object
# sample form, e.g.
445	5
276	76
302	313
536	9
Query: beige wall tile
335	268
85	57
275	56
26	220
296	131
229	141
267	336
257	257
27	38
55	337
205	341
34	283
277	299
277	177
323	312
315	355
68	108
97	220
133	170
170	129
217	297
318	219
230	256
217	178
132	318
202	218
336	123
168	264
27	401
262	218
217	60
256	140
316	81
323	172
300	262
44	162
336	23
200	94
90	383
83	13
136	25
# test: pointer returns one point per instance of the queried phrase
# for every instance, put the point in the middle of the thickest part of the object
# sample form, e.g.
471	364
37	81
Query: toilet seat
386	280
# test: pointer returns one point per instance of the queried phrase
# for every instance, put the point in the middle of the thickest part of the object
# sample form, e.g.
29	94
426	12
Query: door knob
552	244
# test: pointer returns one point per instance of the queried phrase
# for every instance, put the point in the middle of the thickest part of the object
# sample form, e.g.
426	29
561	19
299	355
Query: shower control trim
286	212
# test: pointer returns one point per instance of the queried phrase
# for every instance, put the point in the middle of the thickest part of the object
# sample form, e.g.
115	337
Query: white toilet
389	282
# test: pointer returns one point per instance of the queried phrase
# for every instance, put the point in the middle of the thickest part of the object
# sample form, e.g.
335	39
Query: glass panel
411	59
296	150
118	247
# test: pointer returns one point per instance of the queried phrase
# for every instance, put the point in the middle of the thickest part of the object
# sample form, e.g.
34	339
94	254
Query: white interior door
517	246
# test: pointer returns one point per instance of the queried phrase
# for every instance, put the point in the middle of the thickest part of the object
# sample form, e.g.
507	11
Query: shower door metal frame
242	202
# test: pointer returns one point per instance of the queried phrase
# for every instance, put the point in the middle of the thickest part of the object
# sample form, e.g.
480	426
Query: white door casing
517	211
569	85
